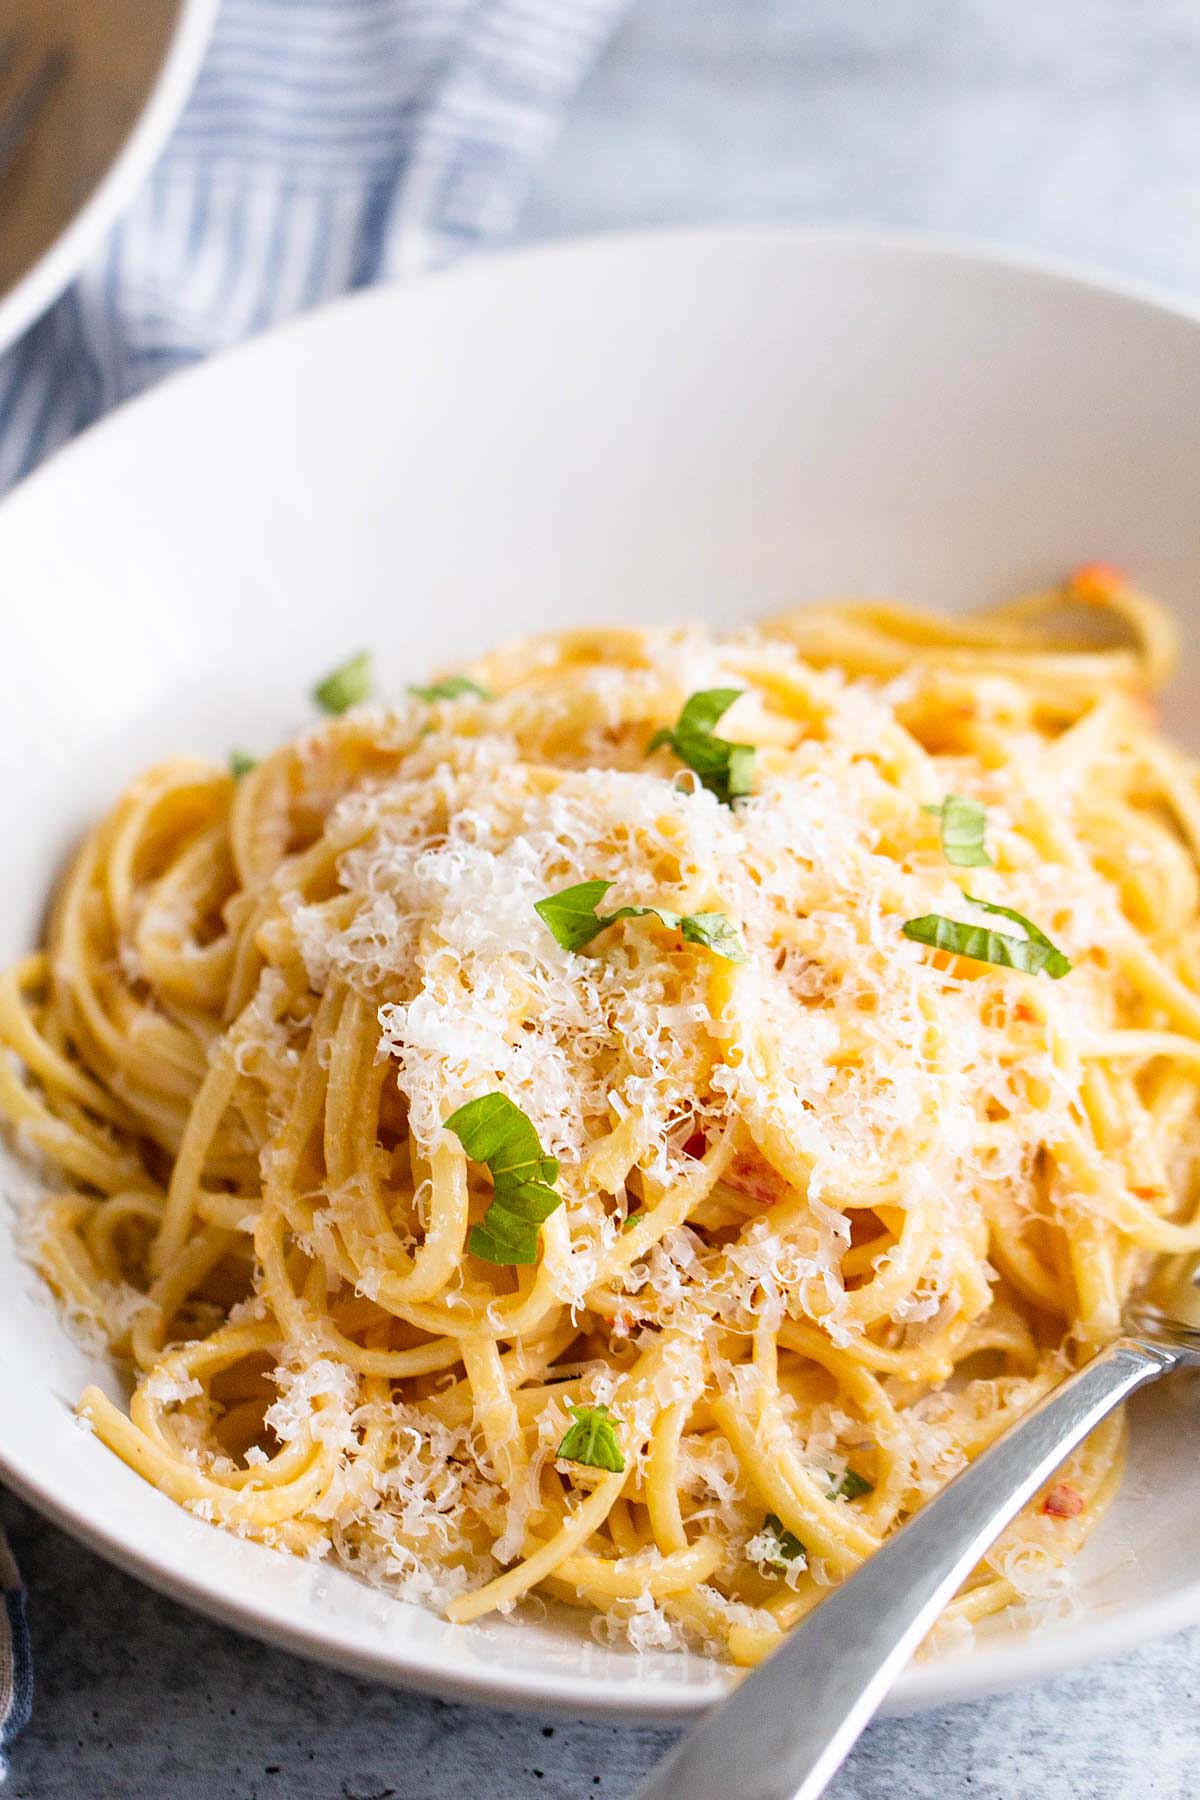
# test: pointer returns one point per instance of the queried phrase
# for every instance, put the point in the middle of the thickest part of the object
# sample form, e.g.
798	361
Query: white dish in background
130	69
712	422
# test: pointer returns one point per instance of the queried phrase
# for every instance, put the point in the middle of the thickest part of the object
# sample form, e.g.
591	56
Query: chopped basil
852	1486
240	763
711	929
784	1546
633	1218
572	918
787	1546
1031	954
452	687
725	769
571	913
493	1131
963	825
592	1440
345	687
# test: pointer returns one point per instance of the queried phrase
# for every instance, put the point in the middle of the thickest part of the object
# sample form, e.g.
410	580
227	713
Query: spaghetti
814	1200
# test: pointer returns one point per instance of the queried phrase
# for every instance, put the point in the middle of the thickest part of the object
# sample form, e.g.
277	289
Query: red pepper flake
752	1175
696	1145
1064	1501
1152	1194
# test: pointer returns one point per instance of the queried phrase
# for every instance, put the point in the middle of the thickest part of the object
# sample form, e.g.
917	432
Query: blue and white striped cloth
16	1659
329	143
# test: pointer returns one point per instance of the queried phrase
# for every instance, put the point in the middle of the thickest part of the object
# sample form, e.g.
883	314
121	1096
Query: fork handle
787	1727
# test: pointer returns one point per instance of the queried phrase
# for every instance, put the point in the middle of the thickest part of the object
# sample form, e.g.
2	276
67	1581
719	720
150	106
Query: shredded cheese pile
824	1182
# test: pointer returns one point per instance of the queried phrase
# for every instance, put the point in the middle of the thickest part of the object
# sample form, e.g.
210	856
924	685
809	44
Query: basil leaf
1054	962
452	687
592	1440
703	710
963	827
1030	954
345	687
789	1545
572	918
739	777
852	1486
633	1218
240	763
571	914
713	930
725	769
496	1133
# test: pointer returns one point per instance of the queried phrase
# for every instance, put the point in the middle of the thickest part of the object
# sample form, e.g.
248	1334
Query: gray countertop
1070	126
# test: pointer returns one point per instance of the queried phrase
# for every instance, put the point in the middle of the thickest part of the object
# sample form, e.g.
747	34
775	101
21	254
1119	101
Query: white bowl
94	141
709	422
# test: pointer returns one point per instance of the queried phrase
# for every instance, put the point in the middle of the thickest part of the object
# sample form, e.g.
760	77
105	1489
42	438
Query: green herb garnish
852	1486
493	1131
452	687
787	1545
1031	954
592	1440
633	1218
345	687
963	826
240	763
725	769
574	921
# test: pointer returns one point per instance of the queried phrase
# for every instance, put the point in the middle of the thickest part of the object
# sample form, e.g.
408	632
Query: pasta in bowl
624	1125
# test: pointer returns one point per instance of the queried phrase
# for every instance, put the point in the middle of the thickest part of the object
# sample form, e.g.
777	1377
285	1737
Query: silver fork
786	1729
27	80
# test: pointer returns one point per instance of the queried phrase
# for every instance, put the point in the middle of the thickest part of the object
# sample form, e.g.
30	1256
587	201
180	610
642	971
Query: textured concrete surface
1071	126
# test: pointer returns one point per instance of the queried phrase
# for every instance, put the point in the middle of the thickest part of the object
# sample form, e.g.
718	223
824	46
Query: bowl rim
44	281
920	1687
1141	294
1050	1650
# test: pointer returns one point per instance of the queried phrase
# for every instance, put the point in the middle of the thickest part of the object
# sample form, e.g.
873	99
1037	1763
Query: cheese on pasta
831	1217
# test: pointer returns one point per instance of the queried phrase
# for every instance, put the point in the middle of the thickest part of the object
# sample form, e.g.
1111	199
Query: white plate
130	71
713	422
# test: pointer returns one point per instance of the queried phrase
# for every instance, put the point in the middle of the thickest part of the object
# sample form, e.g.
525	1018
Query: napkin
16	1663
328	144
